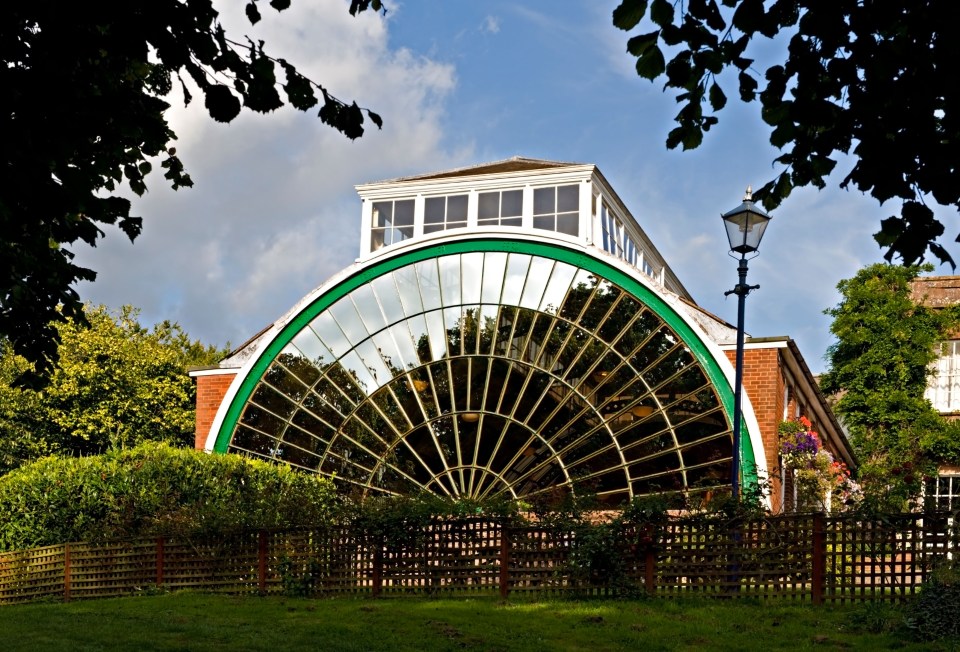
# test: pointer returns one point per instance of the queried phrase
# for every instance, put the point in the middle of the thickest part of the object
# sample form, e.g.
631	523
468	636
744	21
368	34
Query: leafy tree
82	114
876	80
118	384
21	427
879	367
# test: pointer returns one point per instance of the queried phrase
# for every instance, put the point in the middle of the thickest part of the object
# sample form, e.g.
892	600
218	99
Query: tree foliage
155	489
82	114
879	368
117	384
875	80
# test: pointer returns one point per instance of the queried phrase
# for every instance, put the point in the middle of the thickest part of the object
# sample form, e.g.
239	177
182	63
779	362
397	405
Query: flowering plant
817	476
800	447
798	443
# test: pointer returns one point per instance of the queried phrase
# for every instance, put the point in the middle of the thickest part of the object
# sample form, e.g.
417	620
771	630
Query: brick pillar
211	388
763	382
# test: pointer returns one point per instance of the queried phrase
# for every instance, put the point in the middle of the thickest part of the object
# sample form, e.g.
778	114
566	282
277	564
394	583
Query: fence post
650	571
377	570
160	543
819	557
66	572
262	562
504	563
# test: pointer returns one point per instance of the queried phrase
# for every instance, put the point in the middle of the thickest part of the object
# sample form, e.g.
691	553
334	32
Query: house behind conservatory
509	330
943	388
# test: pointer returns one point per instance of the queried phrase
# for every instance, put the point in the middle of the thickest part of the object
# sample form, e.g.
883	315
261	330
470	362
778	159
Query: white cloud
273	212
491	25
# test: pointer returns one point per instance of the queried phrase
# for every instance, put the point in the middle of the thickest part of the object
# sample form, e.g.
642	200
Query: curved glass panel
484	374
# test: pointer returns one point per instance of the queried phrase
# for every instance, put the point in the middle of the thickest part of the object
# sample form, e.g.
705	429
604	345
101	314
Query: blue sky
273	212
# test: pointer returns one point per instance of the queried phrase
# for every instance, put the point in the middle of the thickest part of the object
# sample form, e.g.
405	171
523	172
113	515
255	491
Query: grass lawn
192	621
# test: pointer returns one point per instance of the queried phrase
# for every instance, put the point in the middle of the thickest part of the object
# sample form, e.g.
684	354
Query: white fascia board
213	372
716	329
773	344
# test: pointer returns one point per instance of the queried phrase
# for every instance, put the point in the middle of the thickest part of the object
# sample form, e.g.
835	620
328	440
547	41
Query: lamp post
745	225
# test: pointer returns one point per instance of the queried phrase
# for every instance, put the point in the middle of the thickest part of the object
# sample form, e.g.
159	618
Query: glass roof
489	373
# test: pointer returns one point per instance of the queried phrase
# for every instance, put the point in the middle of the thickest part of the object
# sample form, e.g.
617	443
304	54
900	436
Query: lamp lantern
745	225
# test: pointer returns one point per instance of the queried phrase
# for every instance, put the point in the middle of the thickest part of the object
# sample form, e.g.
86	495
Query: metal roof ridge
477	168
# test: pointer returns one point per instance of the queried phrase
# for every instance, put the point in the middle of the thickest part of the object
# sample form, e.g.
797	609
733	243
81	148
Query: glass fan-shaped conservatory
507	331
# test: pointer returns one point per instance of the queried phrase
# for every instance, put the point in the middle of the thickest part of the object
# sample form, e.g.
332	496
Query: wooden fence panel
318	562
884	559
27	575
101	570
695	558
463	556
228	564
797	557
450	557
537	558
773	557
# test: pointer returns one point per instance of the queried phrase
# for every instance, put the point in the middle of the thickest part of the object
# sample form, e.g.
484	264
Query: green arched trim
544	250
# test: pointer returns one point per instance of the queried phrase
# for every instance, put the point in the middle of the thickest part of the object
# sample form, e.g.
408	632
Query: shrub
155	489
934	613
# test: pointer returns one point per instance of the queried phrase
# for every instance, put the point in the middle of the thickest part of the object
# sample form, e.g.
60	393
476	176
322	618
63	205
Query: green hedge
154	489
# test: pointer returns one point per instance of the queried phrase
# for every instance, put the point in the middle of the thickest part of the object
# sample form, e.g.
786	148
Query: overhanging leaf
748	17
131	226
748	87
651	63
629	14
262	95
942	255
783	187
253	14
222	105
692	137
638	45
299	90
661	12
717	99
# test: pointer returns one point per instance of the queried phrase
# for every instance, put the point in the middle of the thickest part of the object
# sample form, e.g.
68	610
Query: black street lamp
745	225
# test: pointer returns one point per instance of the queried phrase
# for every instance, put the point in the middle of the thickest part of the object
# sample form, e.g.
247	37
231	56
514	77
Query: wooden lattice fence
808	557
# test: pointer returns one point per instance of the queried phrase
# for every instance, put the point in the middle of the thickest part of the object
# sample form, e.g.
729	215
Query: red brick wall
210	392
763	382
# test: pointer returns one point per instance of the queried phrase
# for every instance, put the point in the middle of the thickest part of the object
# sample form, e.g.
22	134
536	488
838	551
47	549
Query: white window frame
556	214
951	495
943	386
446	224
485	222
405	231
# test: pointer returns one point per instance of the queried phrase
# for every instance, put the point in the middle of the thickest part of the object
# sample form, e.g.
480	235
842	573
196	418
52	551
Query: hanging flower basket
818	479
